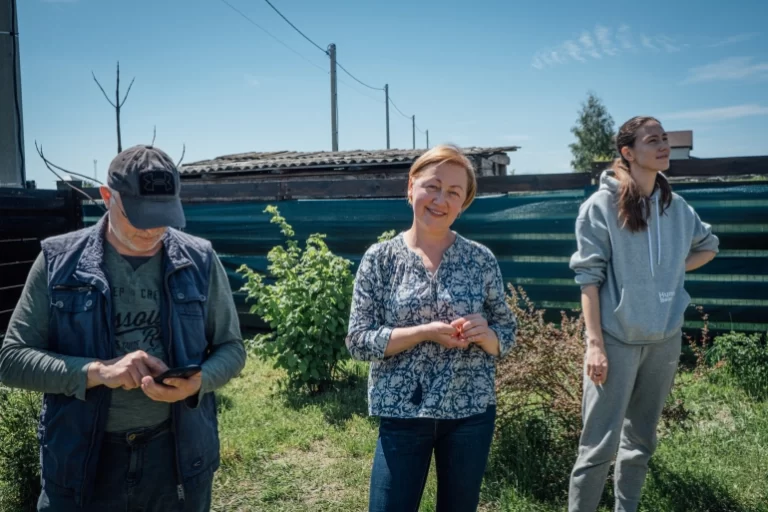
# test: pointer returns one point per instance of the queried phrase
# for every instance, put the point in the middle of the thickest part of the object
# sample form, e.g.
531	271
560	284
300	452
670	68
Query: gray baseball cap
148	183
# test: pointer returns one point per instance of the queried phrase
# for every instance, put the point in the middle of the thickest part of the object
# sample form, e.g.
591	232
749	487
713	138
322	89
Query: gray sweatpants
622	415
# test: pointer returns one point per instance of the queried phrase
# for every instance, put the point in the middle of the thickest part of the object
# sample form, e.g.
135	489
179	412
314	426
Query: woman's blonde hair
446	153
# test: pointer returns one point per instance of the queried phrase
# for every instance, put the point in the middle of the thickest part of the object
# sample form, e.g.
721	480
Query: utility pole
12	168
334	99
413	123
386	102
427	139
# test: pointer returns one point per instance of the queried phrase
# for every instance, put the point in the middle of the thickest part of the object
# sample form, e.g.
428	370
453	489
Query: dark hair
634	207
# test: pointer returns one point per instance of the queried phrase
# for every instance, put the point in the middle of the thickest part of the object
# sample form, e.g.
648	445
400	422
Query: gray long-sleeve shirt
26	361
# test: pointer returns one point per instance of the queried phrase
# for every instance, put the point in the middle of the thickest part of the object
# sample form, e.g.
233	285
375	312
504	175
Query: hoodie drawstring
658	239
658	231
650	251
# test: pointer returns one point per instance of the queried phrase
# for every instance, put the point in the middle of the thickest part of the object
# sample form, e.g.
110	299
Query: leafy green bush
387	235
746	361
307	307
19	459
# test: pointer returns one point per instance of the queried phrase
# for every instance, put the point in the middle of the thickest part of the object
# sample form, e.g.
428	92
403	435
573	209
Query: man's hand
124	372
474	329
172	390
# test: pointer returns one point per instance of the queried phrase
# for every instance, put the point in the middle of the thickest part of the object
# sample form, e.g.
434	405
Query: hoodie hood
609	182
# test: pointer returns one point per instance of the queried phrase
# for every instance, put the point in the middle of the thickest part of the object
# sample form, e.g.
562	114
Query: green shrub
307	308
745	357
387	235
19	459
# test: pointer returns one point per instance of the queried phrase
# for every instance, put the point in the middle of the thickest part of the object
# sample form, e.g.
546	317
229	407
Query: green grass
287	451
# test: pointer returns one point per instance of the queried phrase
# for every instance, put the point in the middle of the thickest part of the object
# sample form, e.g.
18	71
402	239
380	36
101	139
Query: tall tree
594	135
117	104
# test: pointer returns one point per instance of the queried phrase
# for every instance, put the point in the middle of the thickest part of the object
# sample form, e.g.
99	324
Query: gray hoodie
640	275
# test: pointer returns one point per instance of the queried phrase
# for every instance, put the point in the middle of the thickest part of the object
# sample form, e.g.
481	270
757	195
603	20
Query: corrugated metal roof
287	160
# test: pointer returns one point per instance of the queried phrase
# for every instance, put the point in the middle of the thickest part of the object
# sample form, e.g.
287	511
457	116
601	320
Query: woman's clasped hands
464	331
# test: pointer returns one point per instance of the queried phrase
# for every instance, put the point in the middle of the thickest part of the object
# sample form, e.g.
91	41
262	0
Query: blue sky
482	73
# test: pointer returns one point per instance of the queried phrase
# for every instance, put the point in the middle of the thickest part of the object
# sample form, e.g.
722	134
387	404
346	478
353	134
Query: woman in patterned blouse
429	312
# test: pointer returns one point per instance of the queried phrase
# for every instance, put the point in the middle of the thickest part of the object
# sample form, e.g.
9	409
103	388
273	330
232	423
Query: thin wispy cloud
602	42
573	50
732	68
735	39
606	42
252	81
668	44
648	43
624	36
589	45
718	114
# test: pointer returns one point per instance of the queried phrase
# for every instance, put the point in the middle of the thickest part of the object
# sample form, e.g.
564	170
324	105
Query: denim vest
70	431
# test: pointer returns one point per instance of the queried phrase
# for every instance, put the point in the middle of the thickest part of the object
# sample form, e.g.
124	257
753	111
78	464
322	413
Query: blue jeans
404	452
136	472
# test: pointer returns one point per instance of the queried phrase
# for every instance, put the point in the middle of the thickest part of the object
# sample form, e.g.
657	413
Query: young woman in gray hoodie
636	239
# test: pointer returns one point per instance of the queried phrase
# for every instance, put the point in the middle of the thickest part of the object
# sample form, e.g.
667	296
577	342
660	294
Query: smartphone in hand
181	372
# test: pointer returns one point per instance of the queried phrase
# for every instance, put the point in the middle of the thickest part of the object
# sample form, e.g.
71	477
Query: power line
247	18
358	80
296	28
241	13
321	49
358	91
398	110
410	118
326	52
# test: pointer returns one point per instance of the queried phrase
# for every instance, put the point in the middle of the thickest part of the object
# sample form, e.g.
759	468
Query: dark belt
138	435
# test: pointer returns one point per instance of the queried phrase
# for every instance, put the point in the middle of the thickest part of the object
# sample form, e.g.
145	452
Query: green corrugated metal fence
531	235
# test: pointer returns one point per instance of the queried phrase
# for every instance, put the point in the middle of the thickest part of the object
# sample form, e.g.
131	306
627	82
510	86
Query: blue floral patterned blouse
393	289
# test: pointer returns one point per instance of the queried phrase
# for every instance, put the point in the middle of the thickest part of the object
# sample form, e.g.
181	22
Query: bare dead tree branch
127	92
102	90
183	152
117	104
50	167
71	173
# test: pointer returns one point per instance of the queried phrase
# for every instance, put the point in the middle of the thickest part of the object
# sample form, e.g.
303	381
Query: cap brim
150	214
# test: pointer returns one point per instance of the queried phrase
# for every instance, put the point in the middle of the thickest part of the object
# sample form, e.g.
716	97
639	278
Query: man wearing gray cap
105	312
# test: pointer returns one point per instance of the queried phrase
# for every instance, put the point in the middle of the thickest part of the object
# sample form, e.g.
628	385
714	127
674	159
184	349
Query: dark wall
26	218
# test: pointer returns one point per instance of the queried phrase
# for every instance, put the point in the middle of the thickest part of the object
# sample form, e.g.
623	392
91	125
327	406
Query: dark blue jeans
404	452
137	473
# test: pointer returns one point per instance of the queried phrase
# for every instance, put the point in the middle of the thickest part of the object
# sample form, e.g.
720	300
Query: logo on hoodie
666	296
